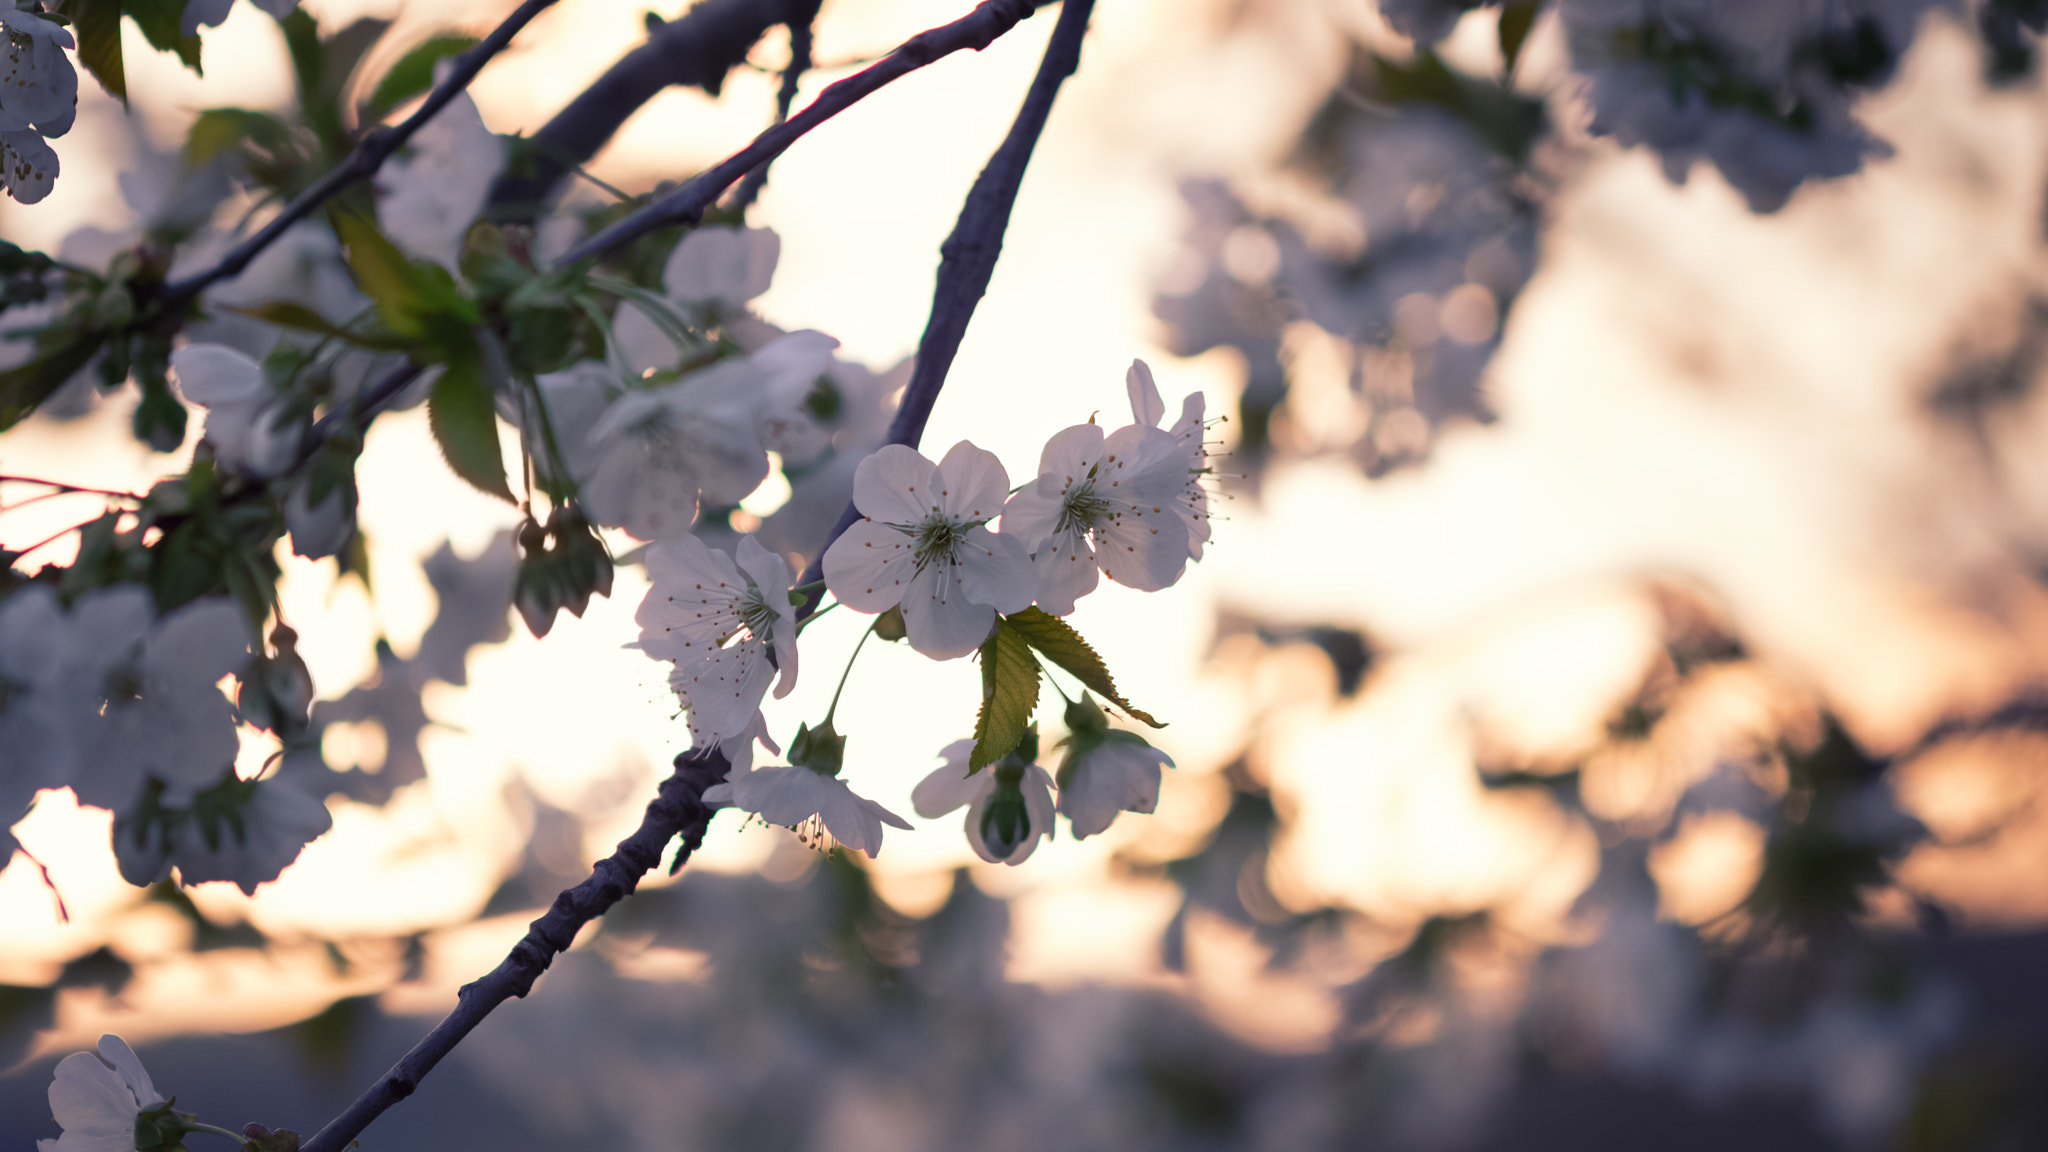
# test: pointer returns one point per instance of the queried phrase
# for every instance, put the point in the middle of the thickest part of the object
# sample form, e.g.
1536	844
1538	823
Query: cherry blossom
248	835
1104	771
698	600
790	796
164	717
921	543
1102	502
38	85
246	420
430	196
710	276
1148	409
1009	804
98	1099
655	451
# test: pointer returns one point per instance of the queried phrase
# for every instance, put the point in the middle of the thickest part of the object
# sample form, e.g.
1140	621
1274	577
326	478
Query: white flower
247	420
789	796
921	543
655	450
320	530
164	716
710	276
244	831
38	85
791	367
28	165
698	600
1009	803
1105	771
97	1098
429	197
1147	408
1102	502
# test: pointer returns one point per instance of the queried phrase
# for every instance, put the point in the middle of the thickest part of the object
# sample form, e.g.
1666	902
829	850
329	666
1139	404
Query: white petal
1066	572
1146	550
973	484
895	485
692	599
28	165
1031	516
199	643
942	620
211	374
870	566
117	1052
723	690
950	786
995	570
1146	406
722	265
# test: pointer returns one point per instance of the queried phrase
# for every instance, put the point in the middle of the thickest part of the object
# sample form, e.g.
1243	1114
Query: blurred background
1610	712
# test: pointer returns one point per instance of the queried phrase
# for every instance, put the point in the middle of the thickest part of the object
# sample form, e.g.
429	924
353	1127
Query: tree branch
977	30
968	257
785	98
678	809
696	50
369	154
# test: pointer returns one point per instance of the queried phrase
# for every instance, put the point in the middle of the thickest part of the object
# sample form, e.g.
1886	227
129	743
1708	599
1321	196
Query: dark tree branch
799	63
362	163
696	50
968	257
977	30
678	809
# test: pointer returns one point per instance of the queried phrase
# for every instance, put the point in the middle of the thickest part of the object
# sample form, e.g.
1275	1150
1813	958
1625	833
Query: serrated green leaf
1059	643
161	23
1516	18
24	388
1009	695
465	425
97	24
412	75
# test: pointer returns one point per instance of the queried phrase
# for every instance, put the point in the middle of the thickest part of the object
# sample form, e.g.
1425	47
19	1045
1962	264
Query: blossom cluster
119	704
943	552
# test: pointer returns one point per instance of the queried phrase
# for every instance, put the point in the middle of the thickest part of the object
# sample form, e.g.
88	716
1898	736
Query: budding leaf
1009	695
1059	643
416	299
465	425
412	75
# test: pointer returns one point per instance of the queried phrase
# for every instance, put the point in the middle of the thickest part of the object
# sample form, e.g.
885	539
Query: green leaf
161	24
1059	643
1516	18
412	75
383	273
24	388
97	24
290	314
1009	694
465	425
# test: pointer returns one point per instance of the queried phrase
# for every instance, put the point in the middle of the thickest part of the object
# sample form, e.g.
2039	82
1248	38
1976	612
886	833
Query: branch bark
968	257
696	50
678	809
977	30
362	163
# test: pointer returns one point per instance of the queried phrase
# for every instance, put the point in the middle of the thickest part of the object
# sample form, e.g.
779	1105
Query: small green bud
889	625
1006	823
821	749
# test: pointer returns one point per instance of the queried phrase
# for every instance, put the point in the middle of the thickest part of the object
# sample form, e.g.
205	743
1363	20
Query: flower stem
1052	680
196	1126
857	645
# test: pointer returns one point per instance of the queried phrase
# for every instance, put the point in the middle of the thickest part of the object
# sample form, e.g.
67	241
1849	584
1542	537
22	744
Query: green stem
857	645
196	1126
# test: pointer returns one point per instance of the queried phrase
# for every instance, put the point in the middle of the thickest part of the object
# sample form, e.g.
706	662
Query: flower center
1081	509
936	538
755	614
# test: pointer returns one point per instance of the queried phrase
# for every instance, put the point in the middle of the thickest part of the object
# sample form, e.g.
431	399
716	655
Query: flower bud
821	749
889	625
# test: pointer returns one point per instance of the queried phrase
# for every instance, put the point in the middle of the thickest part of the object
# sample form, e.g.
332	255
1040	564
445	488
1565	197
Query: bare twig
696	50
362	163
799	63
678	809
969	254
977	30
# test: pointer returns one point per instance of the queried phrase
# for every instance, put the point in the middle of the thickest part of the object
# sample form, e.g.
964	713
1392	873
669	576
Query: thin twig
969	254
977	30
697	50
799	63
678	809
369	154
